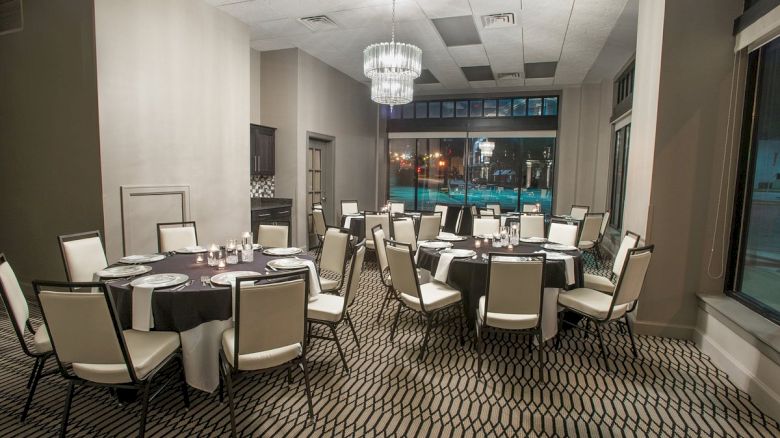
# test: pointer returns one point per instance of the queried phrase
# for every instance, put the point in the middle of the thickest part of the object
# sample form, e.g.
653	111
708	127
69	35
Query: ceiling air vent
318	23
509	76
494	21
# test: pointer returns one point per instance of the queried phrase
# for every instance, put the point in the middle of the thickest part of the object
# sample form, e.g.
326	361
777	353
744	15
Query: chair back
83	326
270	315
83	255
379	246
579	211
403	231
604	223
591	226
318	221
563	232
532	225
487	213
496	208
402	272
334	251
273	235
439	208
397	207
459	222
630	241
485	225
530	208
349	207
429	226
355	270
515	284
13	299
176	235
632	277
370	220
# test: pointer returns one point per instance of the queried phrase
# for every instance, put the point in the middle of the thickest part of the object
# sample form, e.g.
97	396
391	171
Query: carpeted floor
672	389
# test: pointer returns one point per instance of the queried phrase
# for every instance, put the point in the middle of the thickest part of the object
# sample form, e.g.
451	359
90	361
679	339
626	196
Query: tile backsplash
261	187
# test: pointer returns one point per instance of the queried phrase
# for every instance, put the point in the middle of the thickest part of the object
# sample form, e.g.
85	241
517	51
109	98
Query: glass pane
550	106
490	108
462	108
475	108
518	107
409	111
395	113
619	176
760	270
447	109
535	106
421	110
440	172
504	107
434	110
401	172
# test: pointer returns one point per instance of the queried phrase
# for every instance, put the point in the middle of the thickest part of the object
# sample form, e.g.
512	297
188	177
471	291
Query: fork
204	279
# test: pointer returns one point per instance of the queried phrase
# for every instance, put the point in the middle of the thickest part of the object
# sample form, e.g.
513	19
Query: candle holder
231	255
477	244
221	264
213	255
199	258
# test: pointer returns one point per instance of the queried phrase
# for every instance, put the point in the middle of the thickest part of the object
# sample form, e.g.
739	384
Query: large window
478	108
755	264
619	165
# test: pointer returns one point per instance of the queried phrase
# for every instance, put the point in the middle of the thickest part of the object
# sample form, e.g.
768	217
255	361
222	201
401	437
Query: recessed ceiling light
493	21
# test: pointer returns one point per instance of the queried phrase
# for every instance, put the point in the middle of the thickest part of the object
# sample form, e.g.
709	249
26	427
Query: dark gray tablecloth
187	308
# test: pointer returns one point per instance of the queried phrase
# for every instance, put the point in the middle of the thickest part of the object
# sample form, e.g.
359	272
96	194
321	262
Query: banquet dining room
389	218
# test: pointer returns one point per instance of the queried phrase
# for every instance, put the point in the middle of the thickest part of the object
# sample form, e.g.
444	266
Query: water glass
231	256
247	253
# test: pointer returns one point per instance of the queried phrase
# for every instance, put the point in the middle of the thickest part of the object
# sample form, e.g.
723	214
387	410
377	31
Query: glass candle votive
477	244
213	255
221	264
231	255
199	258
247	253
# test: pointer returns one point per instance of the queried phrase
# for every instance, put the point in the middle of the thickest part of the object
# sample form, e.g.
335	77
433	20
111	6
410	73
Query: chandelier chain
393	31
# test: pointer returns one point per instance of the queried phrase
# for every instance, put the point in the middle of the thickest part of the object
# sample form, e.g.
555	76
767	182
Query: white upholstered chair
332	310
92	349
319	226
563	232
496	208
532	225
427	300
273	234
176	235
372	219
579	211
485	225
397	207
440	208
604	284
83	255
268	331
487	213
531	208
333	260
590	234
430	224
594	246
349	207
403	231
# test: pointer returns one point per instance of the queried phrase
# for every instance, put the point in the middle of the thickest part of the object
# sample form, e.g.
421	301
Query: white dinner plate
191	250
451	237
160	280
225	278
533	239
460	253
141	258
123	271
256	246
559	247
436	244
282	251
288	263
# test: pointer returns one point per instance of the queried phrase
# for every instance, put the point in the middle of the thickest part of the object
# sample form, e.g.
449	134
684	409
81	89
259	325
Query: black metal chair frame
595	251
183	224
344	264
320	239
78	236
143	385
586	207
390	293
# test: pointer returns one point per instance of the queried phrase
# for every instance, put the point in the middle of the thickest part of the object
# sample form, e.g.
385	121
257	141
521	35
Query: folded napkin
443	268
347	221
314	280
143	319
568	260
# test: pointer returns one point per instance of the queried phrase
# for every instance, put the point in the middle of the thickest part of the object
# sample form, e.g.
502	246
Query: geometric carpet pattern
671	389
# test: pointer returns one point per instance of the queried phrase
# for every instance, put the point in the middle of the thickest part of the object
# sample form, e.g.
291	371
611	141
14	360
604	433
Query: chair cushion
147	351
369	244
591	302
261	359
587	244
507	321
435	295
326	308
599	283
329	284
41	341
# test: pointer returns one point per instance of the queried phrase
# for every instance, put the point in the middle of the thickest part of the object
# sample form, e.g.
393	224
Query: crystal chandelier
392	68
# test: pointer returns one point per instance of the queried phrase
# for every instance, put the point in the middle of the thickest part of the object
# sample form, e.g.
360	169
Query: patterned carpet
672	389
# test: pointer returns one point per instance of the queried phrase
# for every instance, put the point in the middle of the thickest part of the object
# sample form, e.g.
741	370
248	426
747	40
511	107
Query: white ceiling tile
372	15
544	25
482	84
428	87
251	12
445	8
485	7
307	8
468	56
271	44
539	81
277	28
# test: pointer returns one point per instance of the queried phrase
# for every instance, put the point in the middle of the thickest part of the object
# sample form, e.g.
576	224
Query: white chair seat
261	359
587	244
591	302
328	284
599	283
41	341
147	350
326	308
370	244
507	321
435	296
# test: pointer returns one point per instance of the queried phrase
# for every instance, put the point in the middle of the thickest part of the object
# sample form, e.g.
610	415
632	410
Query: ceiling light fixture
486	149
392	68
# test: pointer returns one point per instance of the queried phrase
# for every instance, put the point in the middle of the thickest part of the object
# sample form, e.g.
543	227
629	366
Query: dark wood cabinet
262	150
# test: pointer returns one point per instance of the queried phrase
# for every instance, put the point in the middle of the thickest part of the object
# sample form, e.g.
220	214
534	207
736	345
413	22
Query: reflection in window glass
619	165
409	111
401	170
518	107
504	107
535	106
490	108
475	108
462	108
550	106
447	109
440	172
395	112
434	110
421	110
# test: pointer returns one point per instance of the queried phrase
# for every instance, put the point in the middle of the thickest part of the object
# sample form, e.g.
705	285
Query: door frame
328	167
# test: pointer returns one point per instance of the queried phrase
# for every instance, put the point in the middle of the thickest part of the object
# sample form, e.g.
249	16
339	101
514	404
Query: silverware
204	279
272	268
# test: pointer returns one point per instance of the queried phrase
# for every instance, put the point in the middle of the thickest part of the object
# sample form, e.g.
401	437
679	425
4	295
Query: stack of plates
460	253
225	278
533	239
282	251
191	250
435	244
449	237
158	281
123	271
559	247
143	258
288	263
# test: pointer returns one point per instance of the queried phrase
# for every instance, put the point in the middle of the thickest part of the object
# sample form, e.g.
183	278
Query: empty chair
513	299
331	310
602	308
268	332
485	226
83	255
372	219
319	226
591	230
274	234
378	236
597	242
349	207
563	232
495	207
487	213
430	223
532	225
579	211
604	284
427	300
19	315
403	231
176	235
397	207
531	208
93	350
440	208
332	261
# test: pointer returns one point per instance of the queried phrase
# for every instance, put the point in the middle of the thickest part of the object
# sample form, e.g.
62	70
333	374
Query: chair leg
231	406
221	381
305	369
541	354
144	409
338	346
395	322
308	332
630	336
480	350
560	332
598	257
384	304
185	394
32	373
66	410
354	333
424	347
37	369
601	341
463	326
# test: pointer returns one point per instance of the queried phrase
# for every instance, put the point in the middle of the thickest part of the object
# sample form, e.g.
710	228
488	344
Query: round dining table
199	312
